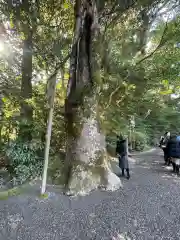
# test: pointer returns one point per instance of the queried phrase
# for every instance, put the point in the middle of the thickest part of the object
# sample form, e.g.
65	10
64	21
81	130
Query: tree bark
1	116
86	165
26	89
22	13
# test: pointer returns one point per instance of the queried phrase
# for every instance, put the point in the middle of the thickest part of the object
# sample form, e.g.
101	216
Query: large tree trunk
86	165
26	89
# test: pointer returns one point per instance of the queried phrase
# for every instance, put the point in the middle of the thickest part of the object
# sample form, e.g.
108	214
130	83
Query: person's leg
165	156
128	175
168	161
177	169
174	167
120	165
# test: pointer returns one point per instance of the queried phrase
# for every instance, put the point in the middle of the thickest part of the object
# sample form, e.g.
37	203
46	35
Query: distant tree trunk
26	89
22	16
86	165
1	116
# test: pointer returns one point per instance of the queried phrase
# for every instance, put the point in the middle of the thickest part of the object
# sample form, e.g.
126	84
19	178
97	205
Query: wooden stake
52	88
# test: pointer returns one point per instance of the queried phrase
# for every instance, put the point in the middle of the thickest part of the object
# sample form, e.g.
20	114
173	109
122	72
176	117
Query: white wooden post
46	154
51	96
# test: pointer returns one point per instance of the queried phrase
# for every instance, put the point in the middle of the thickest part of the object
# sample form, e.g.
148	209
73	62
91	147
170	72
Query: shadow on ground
154	162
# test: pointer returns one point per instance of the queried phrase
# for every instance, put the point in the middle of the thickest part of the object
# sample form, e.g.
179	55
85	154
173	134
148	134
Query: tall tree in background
26	83
19	13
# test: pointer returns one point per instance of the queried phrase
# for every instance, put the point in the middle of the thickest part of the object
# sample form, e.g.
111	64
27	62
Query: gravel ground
146	208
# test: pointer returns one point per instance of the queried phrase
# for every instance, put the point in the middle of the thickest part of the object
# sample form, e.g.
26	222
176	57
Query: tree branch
118	9
63	62
161	43
60	65
114	92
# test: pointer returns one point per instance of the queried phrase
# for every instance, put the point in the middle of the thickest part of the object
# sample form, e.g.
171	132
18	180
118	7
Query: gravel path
146	208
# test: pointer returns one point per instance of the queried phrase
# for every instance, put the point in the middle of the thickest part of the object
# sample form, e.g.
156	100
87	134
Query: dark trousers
166	158
127	171
124	165
175	168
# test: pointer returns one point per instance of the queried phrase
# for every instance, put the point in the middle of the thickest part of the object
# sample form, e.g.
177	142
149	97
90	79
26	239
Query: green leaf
22	36
66	5
66	76
167	92
4	99
11	22
165	82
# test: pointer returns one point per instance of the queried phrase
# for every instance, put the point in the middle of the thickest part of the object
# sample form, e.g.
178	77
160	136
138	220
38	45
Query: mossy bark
86	166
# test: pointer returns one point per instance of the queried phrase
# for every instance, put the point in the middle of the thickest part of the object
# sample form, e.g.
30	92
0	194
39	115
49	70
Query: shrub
25	160
140	139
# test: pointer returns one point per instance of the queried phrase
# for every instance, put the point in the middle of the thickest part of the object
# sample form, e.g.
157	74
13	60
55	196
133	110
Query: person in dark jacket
173	149
161	141
122	152
163	144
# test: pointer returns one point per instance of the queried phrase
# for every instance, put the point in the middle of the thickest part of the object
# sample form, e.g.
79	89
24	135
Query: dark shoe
128	177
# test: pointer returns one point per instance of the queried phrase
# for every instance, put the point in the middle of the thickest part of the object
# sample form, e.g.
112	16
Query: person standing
173	152
163	144
122	152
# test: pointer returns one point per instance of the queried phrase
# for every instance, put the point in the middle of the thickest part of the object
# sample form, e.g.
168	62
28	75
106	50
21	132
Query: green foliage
111	145
140	141
25	160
